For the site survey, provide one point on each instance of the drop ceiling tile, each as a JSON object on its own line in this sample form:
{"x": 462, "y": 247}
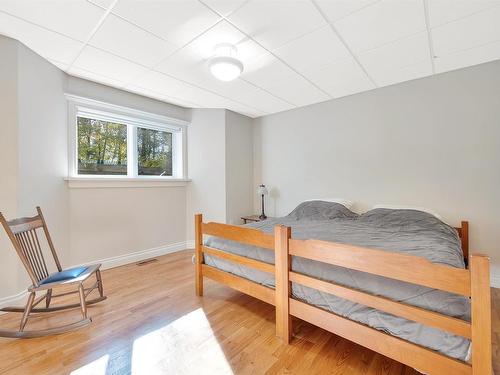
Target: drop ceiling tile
{"x": 335, "y": 10}
{"x": 247, "y": 94}
{"x": 244, "y": 110}
{"x": 296, "y": 90}
{"x": 130, "y": 42}
{"x": 169, "y": 86}
{"x": 274, "y": 23}
{"x": 75, "y": 18}
{"x": 224, "y": 7}
{"x": 158, "y": 96}
{"x": 188, "y": 66}
{"x": 465, "y": 58}
{"x": 272, "y": 75}
{"x": 108, "y": 65}
{"x": 175, "y": 21}
{"x": 46, "y": 43}
{"x": 473, "y": 31}
{"x": 202, "y": 48}
{"x": 381, "y": 23}
{"x": 379, "y": 62}
{"x": 341, "y": 78}
{"x": 102, "y": 3}
{"x": 161, "y": 83}
{"x": 184, "y": 64}
{"x": 96, "y": 77}
{"x": 444, "y": 11}
{"x": 390, "y": 76}
{"x": 315, "y": 49}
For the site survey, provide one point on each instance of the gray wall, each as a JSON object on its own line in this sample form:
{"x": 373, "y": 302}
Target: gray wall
{"x": 42, "y": 132}
{"x": 220, "y": 164}
{"x": 239, "y": 167}
{"x": 33, "y": 148}
{"x": 206, "y": 192}
{"x": 433, "y": 142}
{"x": 8, "y": 161}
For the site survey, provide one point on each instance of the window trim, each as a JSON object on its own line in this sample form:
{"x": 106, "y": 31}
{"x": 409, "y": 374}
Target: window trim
{"x": 117, "y": 182}
{"x": 133, "y": 118}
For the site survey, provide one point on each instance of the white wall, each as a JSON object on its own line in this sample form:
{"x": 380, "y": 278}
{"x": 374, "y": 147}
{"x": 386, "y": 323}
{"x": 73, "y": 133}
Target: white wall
{"x": 8, "y": 161}
{"x": 433, "y": 142}
{"x": 35, "y": 137}
{"x": 42, "y": 139}
{"x": 239, "y": 163}
{"x": 220, "y": 164}
{"x": 112, "y": 222}
{"x": 206, "y": 193}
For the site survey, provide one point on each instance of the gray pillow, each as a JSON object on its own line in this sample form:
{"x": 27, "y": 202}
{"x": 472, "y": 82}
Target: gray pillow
{"x": 321, "y": 210}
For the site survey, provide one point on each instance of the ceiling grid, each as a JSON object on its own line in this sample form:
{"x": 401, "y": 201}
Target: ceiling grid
{"x": 294, "y": 53}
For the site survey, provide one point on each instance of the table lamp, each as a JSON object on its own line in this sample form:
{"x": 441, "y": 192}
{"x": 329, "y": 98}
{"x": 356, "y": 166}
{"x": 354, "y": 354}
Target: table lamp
{"x": 262, "y": 190}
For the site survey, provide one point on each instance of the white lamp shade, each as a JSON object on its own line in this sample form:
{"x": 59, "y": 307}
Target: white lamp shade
{"x": 262, "y": 190}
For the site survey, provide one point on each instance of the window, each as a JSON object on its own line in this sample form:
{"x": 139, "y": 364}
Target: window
{"x": 154, "y": 152}
{"x": 102, "y": 147}
{"x": 112, "y": 141}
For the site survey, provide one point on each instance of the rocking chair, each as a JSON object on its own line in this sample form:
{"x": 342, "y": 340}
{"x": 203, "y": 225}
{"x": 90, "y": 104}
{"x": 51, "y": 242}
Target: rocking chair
{"x": 23, "y": 234}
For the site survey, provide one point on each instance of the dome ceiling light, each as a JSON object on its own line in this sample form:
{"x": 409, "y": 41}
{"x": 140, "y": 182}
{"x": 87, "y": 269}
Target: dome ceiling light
{"x": 224, "y": 65}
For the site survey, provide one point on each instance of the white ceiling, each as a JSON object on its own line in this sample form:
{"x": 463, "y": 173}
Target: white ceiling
{"x": 295, "y": 52}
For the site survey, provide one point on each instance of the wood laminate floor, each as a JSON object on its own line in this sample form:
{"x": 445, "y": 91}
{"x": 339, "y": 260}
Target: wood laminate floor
{"x": 152, "y": 323}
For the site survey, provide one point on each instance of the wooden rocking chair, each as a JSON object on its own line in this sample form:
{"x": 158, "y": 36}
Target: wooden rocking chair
{"x": 23, "y": 234}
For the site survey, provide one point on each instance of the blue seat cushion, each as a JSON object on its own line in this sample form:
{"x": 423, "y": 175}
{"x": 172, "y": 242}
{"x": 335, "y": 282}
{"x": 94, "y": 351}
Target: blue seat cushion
{"x": 64, "y": 275}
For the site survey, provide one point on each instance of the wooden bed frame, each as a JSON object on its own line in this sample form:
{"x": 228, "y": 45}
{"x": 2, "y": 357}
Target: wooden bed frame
{"x": 473, "y": 282}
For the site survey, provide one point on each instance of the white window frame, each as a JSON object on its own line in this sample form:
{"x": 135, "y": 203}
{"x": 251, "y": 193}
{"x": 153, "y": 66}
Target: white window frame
{"x": 132, "y": 118}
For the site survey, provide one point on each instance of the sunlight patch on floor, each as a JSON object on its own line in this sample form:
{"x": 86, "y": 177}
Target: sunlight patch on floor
{"x": 97, "y": 367}
{"x": 185, "y": 346}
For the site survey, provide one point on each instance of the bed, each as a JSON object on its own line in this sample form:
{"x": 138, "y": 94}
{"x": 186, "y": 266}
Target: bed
{"x": 397, "y": 276}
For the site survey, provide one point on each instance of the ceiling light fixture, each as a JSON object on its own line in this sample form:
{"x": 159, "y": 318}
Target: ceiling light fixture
{"x": 224, "y": 65}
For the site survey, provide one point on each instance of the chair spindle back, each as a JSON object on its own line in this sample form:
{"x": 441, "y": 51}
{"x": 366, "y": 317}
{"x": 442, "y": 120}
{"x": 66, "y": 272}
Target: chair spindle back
{"x": 23, "y": 234}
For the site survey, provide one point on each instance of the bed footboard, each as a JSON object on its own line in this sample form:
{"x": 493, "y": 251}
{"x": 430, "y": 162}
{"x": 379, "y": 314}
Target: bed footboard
{"x": 472, "y": 282}
{"x": 247, "y": 236}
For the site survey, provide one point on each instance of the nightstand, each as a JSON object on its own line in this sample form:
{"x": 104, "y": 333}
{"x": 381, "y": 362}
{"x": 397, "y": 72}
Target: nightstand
{"x": 252, "y": 219}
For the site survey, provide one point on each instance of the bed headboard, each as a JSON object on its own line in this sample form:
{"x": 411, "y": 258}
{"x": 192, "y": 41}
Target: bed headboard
{"x": 463, "y": 233}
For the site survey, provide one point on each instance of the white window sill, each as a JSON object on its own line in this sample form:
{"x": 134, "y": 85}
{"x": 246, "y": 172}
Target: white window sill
{"x": 123, "y": 182}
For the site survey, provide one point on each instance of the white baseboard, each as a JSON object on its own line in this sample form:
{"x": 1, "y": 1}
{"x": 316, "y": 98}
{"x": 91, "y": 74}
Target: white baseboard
{"x": 140, "y": 255}
{"x": 20, "y": 298}
{"x": 190, "y": 244}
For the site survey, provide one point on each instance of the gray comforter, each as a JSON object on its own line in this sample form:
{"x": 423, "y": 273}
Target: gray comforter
{"x": 406, "y": 231}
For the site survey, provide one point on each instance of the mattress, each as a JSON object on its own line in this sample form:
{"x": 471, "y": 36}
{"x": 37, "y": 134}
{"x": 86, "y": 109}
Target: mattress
{"x": 403, "y": 231}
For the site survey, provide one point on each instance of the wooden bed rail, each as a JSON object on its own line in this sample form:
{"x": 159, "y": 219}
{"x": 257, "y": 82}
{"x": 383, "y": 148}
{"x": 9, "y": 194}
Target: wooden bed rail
{"x": 408, "y": 268}
{"x": 248, "y": 236}
{"x": 472, "y": 282}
